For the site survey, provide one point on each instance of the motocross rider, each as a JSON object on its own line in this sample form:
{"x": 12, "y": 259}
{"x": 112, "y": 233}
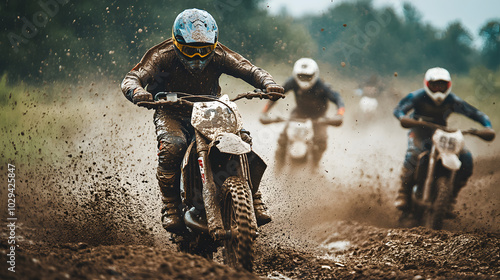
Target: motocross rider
{"x": 191, "y": 62}
{"x": 312, "y": 96}
{"x": 433, "y": 103}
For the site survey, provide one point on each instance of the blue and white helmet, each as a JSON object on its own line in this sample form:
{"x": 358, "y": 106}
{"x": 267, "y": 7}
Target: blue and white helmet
{"x": 195, "y": 35}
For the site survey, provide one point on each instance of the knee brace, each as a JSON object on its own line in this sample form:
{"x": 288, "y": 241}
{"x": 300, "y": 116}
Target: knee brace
{"x": 171, "y": 151}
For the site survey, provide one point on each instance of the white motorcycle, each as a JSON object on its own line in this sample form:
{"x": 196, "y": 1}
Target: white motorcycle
{"x": 436, "y": 171}
{"x": 300, "y": 136}
{"x": 220, "y": 174}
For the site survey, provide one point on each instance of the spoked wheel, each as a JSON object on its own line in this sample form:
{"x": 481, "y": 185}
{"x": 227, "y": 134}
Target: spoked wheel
{"x": 435, "y": 215}
{"x": 237, "y": 217}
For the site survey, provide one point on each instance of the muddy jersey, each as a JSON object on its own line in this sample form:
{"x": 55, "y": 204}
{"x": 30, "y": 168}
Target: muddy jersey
{"x": 313, "y": 102}
{"x": 425, "y": 109}
{"x": 161, "y": 71}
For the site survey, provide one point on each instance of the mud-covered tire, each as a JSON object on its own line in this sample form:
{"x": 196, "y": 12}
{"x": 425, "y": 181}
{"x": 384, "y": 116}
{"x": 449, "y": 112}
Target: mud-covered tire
{"x": 237, "y": 216}
{"x": 435, "y": 216}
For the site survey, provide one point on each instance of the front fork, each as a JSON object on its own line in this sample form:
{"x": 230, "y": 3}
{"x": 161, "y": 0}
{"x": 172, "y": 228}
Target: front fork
{"x": 210, "y": 194}
{"x": 430, "y": 177}
{"x": 212, "y": 206}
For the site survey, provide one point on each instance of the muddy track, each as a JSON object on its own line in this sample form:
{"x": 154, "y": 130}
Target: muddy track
{"x": 289, "y": 248}
{"x": 92, "y": 213}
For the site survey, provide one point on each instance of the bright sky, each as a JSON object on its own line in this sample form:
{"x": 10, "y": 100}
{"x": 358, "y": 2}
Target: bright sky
{"x": 472, "y": 13}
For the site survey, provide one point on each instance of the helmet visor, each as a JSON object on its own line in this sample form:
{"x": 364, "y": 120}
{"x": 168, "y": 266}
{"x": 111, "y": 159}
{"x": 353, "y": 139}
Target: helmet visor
{"x": 192, "y": 51}
{"x": 305, "y": 77}
{"x": 438, "y": 86}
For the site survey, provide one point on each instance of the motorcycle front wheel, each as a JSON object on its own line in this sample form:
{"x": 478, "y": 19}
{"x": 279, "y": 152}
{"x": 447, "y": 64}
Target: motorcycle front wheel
{"x": 237, "y": 217}
{"x": 435, "y": 215}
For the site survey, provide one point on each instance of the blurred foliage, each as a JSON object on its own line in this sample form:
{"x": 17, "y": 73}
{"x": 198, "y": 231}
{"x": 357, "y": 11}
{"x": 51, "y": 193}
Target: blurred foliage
{"x": 490, "y": 32}
{"x": 485, "y": 82}
{"x": 59, "y": 39}
{"x": 109, "y": 37}
{"x": 380, "y": 40}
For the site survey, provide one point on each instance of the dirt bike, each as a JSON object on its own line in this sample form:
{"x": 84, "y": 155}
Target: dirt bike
{"x": 300, "y": 135}
{"x": 220, "y": 172}
{"x": 436, "y": 171}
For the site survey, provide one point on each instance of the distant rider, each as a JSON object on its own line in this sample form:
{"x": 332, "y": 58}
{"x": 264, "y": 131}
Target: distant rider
{"x": 191, "y": 62}
{"x": 373, "y": 87}
{"x": 433, "y": 103}
{"x": 311, "y": 97}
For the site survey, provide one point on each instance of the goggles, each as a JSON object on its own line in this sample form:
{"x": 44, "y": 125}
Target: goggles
{"x": 305, "y": 77}
{"x": 192, "y": 51}
{"x": 438, "y": 86}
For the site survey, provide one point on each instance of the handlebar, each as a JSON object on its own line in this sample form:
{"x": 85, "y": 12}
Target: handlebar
{"x": 486, "y": 134}
{"x": 410, "y": 123}
{"x": 260, "y": 94}
{"x": 327, "y": 121}
{"x": 179, "y": 101}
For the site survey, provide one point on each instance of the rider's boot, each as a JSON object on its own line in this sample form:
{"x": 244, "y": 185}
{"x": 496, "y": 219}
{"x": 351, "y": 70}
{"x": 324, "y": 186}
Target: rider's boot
{"x": 171, "y": 214}
{"x": 260, "y": 210}
{"x": 404, "y": 193}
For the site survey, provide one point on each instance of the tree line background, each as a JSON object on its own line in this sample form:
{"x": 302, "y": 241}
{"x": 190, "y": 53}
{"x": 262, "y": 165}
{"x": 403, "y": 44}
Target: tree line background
{"x": 59, "y": 39}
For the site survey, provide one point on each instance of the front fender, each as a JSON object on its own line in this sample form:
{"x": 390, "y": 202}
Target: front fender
{"x": 450, "y": 161}
{"x": 230, "y": 143}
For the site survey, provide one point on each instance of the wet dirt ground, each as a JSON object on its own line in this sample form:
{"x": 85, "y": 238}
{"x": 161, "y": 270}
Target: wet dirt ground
{"x": 92, "y": 212}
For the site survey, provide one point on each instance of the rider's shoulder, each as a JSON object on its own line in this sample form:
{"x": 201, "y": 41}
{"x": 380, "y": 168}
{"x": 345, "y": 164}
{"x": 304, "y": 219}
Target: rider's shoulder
{"x": 291, "y": 83}
{"x": 221, "y": 50}
{"x": 417, "y": 94}
{"x": 323, "y": 84}
{"x": 166, "y": 46}
{"x": 454, "y": 97}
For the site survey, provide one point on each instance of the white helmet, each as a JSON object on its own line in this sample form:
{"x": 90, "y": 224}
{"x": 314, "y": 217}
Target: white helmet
{"x": 305, "y": 72}
{"x": 437, "y": 84}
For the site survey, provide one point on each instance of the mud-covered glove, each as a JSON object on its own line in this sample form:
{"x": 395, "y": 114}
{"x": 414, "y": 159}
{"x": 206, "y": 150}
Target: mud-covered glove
{"x": 274, "y": 88}
{"x": 245, "y": 136}
{"x": 140, "y": 94}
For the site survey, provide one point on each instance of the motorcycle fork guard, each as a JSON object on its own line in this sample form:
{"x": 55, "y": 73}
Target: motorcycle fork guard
{"x": 210, "y": 193}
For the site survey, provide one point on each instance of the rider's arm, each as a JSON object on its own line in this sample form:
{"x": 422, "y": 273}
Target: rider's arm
{"x": 144, "y": 72}
{"x": 404, "y": 106}
{"x": 287, "y": 86}
{"x": 334, "y": 97}
{"x": 237, "y": 66}
{"x": 464, "y": 108}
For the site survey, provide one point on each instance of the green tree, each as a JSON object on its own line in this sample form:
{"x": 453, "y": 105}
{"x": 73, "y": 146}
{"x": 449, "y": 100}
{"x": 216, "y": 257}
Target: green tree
{"x": 455, "y": 48}
{"x": 490, "y": 33}
{"x": 109, "y": 37}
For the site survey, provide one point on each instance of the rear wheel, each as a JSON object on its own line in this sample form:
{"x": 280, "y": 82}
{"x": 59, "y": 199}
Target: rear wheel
{"x": 237, "y": 217}
{"x": 435, "y": 215}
